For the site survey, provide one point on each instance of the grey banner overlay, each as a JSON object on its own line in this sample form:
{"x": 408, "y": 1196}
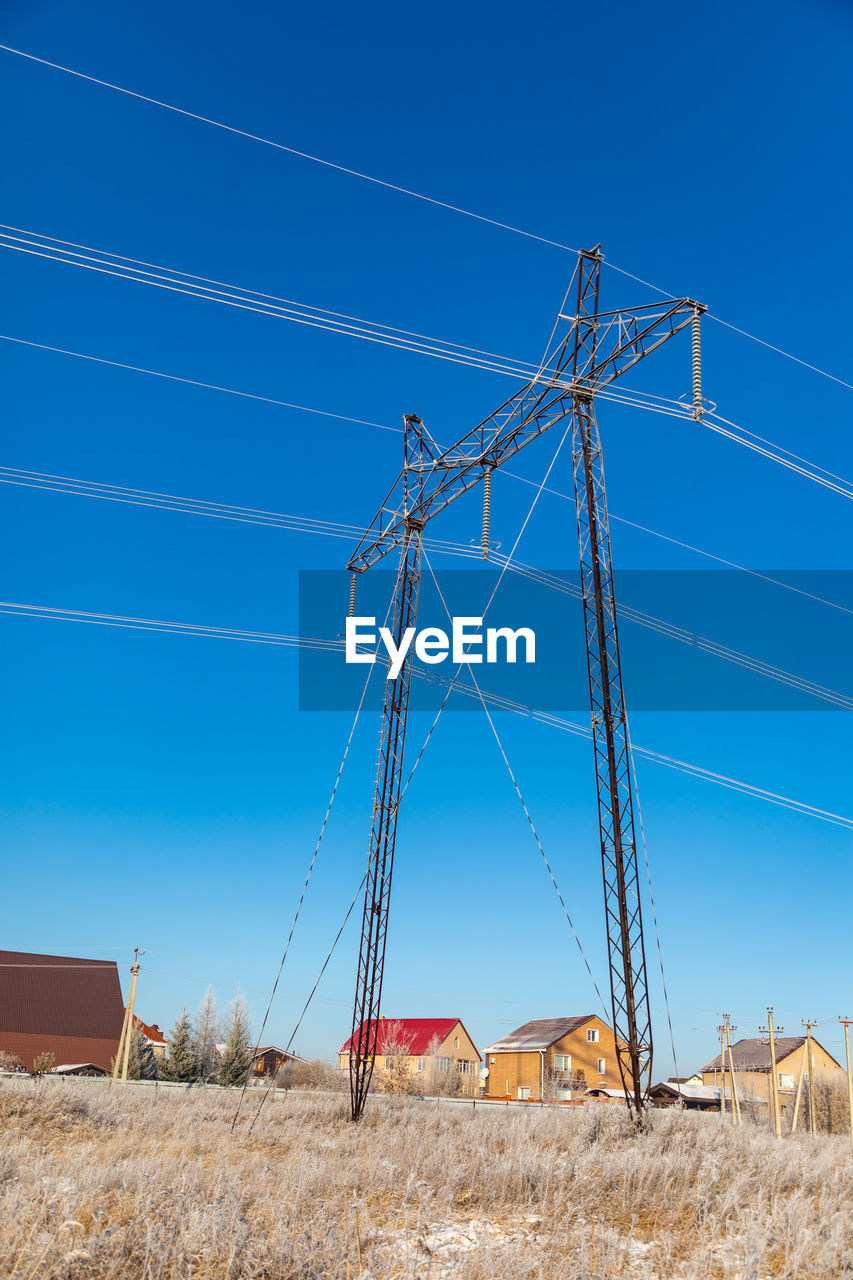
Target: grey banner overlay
{"x": 690, "y": 640}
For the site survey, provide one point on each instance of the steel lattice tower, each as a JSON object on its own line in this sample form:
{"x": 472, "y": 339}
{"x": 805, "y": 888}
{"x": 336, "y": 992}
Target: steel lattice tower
{"x": 589, "y": 350}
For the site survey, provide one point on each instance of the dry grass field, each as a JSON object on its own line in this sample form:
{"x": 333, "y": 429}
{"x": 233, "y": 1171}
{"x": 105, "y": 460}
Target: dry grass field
{"x": 152, "y": 1186}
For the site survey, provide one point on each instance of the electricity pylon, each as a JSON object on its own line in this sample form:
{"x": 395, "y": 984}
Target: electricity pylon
{"x": 589, "y": 349}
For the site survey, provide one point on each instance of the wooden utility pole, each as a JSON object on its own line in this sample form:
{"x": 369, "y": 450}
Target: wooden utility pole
{"x": 735, "y": 1099}
{"x": 127, "y": 1025}
{"x": 810, "y": 1059}
{"x": 799, "y": 1088}
{"x": 722, "y": 1031}
{"x": 774, "y": 1080}
{"x": 845, "y": 1022}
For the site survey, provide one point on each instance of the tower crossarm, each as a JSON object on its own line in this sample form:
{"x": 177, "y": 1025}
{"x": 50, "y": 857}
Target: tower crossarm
{"x": 582, "y": 363}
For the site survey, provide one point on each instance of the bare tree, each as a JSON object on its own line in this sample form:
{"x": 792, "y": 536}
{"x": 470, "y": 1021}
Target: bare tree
{"x": 443, "y": 1077}
{"x": 554, "y": 1083}
{"x": 397, "y": 1051}
{"x": 207, "y": 1034}
{"x": 311, "y": 1075}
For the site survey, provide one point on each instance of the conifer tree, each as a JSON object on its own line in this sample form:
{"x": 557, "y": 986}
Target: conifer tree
{"x": 141, "y": 1063}
{"x": 147, "y": 1058}
{"x": 236, "y": 1058}
{"x": 182, "y": 1061}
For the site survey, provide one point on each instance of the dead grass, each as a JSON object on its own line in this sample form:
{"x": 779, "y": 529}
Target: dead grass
{"x": 97, "y": 1185}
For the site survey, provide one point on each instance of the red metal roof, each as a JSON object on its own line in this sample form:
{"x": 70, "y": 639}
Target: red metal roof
{"x": 420, "y": 1035}
{"x": 152, "y": 1032}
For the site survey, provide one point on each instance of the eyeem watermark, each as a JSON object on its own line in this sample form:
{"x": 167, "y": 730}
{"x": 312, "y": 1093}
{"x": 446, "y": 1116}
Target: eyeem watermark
{"x": 432, "y": 645}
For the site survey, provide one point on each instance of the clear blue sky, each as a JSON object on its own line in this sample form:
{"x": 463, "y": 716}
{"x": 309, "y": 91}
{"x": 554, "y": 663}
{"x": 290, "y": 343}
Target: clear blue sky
{"x": 165, "y": 790}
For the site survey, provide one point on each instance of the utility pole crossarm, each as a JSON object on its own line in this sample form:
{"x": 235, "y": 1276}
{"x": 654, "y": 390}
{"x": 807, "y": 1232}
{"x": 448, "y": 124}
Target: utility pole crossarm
{"x": 613, "y": 342}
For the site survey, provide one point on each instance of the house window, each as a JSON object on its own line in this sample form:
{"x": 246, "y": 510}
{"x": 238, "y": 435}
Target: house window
{"x": 455, "y": 1042}
{"x": 785, "y": 1081}
{"x": 523, "y": 1093}
{"x": 592, "y": 1035}
{"x": 466, "y": 1068}
{"x": 444, "y": 1064}
{"x": 421, "y": 1064}
{"x": 562, "y": 1062}
{"x": 602, "y": 1067}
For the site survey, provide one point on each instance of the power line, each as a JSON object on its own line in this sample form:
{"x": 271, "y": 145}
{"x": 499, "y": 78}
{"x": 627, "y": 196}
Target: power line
{"x": 692, "y": 639}
{"x": 419, "y": 344}
{"x": 137, "y": 266}
{"x": 652, "y": 900}
{"x": 43, "y": 613}
{"x": 172, "y": 502}
{"x": 824, "y": 373}
{"x": 523, "y": 803}
{"x": 779, "y": 351}
{"x": 301, "y": 524}
{"x": 297, "y": 313}
{"x": 311, "y": 995}
{"x": 687, "y": 546}
{"x": 810, "y": 471}
{"x": 192, "y": 382}
{"x": 311, "y": 866}
{"x": 656, "y": 533}
{"x": 671, "y": 762}
{"x": 280, "y": 146}
{"x": 46, "y": 613}
{"x": 391, "y": 186}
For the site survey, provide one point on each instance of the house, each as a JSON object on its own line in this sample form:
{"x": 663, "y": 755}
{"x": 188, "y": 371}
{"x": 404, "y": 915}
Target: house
{"x": 428, "y": 1055}
{"x": 69, "y": 1006}
{"x": 153, "y": 1036}
{"x": 696, "y": 1078}
{"x": 692, "y": 1096}
{"x": 549, "y": 1059}
{"x": 267, "y": 1062}
{"x": 602, "y": 1093}
{"x": 78, "y": 1069}
{"x": 751, "y": 1059}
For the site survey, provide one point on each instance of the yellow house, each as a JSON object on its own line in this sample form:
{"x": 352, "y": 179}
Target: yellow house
{"x": 422, "y": 1055}
{"x": 153, "y": 1035}
{"x": 553, "y": 1059}
{"x": 751, "y": 1059}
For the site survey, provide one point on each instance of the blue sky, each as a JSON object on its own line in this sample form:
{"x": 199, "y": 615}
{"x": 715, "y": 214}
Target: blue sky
{"x": 165, "y": 790}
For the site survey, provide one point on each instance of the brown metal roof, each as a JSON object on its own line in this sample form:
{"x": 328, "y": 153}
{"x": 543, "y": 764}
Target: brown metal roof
{"x": 68, "y": 1005}
{"x": 754, "y": 1055}
{"x": 539, "y": 1034}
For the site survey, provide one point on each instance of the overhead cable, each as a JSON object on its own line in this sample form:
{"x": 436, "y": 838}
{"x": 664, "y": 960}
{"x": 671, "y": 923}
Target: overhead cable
{"x": 656, "y": 533}
{"x": 526, "y": 811}
{"x": 193, "y": 382}
{"x": 280, "y": 146}
{"x": 419, "y": 344}
{"x": 311, "y": 866}
{"x": 44, "y": 613}
{"x": 350, "y": 532}
{"x": 392, "y": 186}
{"x": 687, "y": 546}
